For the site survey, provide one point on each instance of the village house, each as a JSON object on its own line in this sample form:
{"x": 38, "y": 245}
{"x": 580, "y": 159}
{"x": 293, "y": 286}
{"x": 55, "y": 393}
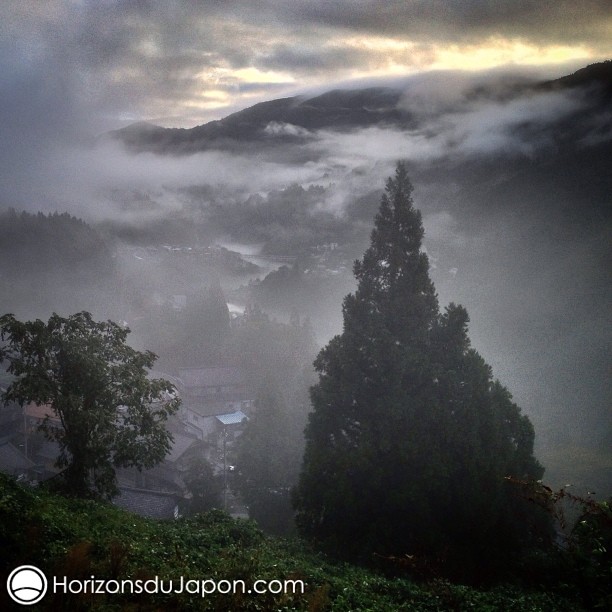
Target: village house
{"x": 11, "y": 417}
{"x": 152, "y": 504}
{"x": 14, "y": 462}
{"x": 216, "y": 400}
{"x": 170, "y": 473}
{"x": 42, "y": 451}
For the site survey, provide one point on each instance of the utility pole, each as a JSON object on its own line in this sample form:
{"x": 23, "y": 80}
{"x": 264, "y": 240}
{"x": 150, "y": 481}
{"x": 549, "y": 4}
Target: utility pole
{"x": 225, "y": 467}
{"x": 25, "y": 432}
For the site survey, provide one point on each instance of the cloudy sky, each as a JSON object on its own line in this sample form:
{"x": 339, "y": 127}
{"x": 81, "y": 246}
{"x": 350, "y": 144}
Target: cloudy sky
{"x": 182, "y": 63}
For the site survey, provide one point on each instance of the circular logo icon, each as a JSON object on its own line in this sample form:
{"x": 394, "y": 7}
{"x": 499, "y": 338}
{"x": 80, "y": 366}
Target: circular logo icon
{"x": 26, "y": 585}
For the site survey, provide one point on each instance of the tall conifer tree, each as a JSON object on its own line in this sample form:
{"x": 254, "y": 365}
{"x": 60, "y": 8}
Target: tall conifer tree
{"x": 410, "y": 438}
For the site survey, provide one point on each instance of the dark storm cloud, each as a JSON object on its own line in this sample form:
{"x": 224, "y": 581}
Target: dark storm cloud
{"x": 441, "y": 20}
{"x": 123, "y": 57}
{"x": 316, "y": 59}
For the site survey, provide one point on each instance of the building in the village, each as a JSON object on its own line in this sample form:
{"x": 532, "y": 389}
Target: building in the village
{"x": 14, "y": 462}
{"x": 149, "y": 503}
{"x": 216, "y": 401}
{"x": 11, "y": 418}
{"x": 168, "y": 475}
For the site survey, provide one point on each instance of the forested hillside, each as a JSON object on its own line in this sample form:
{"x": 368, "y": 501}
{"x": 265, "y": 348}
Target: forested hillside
{"x": 52, "y": 262}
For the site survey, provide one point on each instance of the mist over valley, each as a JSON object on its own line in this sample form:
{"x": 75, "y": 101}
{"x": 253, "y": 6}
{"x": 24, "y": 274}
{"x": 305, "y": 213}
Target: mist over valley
{"x": 276, "y": 201}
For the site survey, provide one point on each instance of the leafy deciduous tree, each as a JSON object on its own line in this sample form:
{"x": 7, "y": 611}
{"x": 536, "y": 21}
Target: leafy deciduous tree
{"x": 111, "y": 414}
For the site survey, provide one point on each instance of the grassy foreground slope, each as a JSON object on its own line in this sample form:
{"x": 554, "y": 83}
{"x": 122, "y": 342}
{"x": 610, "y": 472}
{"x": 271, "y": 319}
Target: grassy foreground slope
{"x": 84, "y": 539}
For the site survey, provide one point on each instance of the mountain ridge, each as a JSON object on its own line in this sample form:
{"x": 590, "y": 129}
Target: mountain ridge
{"x": 296, "y": 118}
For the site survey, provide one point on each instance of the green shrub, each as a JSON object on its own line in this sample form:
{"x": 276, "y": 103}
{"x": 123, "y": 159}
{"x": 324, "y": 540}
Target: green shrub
{"x": 80, "y": 538}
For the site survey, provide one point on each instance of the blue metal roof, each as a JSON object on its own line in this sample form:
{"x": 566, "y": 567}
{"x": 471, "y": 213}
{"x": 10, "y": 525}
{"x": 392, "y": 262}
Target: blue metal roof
{"x": 233, "y": 418}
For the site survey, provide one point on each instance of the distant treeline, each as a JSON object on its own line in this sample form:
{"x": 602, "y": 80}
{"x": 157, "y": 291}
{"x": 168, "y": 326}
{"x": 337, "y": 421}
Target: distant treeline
{"x": 39, "y": 243}
{"x": 45, "y": 258}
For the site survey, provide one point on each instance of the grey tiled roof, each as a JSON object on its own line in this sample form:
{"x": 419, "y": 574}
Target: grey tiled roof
{"x": 206, "y": 407}
{"x": 211, "y": 377}
{"x": 12, "y": 459}
{"x": 152, "y": 504}
{"x": 180, "y": 445}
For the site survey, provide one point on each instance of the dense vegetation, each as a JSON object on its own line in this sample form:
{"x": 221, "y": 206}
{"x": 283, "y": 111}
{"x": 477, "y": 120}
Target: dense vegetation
{"x": 81, "y": 538}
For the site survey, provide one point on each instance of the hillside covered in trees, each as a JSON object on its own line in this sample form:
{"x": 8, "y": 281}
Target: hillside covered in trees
{"x": 47, "y": 260}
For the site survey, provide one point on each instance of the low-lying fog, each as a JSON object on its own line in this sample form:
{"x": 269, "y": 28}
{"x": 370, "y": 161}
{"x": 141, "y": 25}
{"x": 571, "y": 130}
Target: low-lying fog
{"x": 532, "y": 274}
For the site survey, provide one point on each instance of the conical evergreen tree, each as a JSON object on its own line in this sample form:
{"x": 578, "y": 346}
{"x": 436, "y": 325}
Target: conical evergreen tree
{"x": 410, "y": 439}
{"x": 206, "y": 326}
